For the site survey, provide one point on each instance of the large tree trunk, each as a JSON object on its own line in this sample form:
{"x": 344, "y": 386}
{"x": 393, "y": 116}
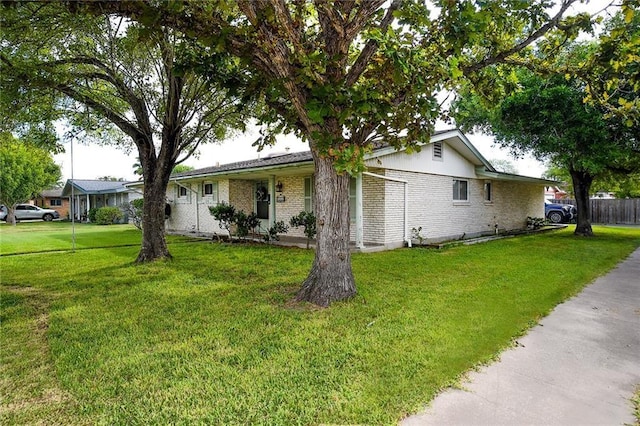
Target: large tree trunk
{"x": 154, "y": 245}
{"x": 11, "y": 215}
{"x": 331, "y": 278}
{"x": 582, "y": 187}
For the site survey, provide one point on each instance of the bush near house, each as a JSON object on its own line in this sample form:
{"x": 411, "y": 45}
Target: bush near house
{"x": 308, "y": 221}
{"x": 224, "y": 213}
{"x": 273, "y": 233}
{"x": 91, "y": 214}
{"x": 108, "y": 215}
{"x": 228, "y": 217}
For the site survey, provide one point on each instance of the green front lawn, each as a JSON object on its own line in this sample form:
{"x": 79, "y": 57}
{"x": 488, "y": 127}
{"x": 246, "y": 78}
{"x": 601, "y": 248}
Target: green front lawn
{"x": 213, "y": 338}
{"x": 33, "y": 237}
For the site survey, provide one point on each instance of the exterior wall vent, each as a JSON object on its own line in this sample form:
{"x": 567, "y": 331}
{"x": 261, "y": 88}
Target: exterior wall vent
{"x": 437, "y": 150}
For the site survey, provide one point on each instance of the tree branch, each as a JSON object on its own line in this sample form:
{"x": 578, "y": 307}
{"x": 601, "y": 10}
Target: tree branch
{"x": 500, "y": 57}
{"x": 370, "y": 48}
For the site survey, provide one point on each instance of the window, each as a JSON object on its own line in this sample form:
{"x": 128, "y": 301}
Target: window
{"x": 210, "y": 192}
{"x": 460, "y": 188}
{"x": 55, "y": 202}
{"x": 308, "y": 194}
{"x": 352, "y": 199}
{"x": 183, "y": 194}
{"x": 437, "y": 150}
{"x": 488, "y": 192}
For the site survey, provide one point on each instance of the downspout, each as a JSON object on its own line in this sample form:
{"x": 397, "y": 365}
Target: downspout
{"x": 197, "y": 210}
{"x": 359, "y": 214}
{"x": 407, "y": 239}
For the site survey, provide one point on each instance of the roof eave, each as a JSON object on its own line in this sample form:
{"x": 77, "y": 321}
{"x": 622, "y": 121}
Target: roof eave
{"x": 496, "y": 175}
{"x": 243, "y": 171}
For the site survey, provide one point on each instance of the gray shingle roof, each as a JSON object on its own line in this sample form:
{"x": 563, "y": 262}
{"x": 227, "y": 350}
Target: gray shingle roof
{"x": 87, "y": 186}
{"x": 273, "y": 160}
{"x": 51, "y": 193}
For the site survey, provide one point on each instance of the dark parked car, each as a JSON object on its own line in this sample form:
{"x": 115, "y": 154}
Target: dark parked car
{"x": 559, "y": 213}
{"x": 27, "y": 211}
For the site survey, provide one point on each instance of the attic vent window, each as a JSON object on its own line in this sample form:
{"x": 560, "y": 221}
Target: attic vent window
{"x": 437, "y": 150}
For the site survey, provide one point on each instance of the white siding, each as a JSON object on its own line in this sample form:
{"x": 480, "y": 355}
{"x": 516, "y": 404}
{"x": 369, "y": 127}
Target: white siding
{"x": 451, "y": 164}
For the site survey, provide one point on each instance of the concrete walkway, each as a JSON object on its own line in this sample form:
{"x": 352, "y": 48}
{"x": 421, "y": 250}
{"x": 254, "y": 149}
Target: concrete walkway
{"x": 580, "y": 366}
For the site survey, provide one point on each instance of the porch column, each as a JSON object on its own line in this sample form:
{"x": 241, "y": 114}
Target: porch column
{"x": 272, "y": 200}
{"x": 88, "y": 207}
{"x": 359, "y": 213}
{"x": 77, "y": 207}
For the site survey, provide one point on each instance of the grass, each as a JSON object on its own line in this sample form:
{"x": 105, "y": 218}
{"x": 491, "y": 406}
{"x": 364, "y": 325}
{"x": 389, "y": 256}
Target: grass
{"x": 212, "y": 337}
{"x": 35, "y": 237}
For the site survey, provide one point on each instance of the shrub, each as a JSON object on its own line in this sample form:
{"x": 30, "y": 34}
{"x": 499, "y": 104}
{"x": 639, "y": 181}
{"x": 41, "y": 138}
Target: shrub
{"x": 277, "y": 228}
{"x": 108, "y": 215}
{"x": 245, "y": 223}
{"x": 535, "y": 222}
{"x": 224, "y": 213}
{"x": 306, "y": 220}
{"x": 416, "y": 235}
{"x": 91, "y": 215}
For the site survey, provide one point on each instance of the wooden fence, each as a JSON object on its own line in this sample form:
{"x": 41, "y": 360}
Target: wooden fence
{"x": 612, "y": 211}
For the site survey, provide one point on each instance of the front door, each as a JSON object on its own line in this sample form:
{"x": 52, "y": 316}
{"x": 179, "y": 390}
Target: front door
{"x": 262, "y": 203}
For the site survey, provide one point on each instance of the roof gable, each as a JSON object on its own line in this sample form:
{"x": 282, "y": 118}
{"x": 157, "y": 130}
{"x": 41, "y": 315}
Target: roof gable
{"x": 454, "y": 138}
{"x": 89, "y": 186}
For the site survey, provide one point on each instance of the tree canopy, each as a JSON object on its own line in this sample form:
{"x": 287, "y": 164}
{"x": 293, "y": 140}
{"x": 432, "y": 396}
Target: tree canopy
{"x": 26, "y": 170}
{"x": 612, "y": 73}
{"x": 548, "y": 117}
{"x": 118, "y": 83}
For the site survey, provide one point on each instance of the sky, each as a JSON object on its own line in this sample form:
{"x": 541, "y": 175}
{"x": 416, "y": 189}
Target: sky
{"x": 93, "y": 162}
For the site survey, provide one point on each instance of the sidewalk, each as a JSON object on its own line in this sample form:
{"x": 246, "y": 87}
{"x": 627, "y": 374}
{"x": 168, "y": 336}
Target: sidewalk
{"x": 579, "y": 366}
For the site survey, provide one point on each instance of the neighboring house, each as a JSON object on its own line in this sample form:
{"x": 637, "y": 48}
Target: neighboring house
{"x": 53, "y": 199}
{"x": 86, "y": 194}
{"x": 448, "y": 189}
{"x": 604, "y": 195}
{"x": 554, "y": 193}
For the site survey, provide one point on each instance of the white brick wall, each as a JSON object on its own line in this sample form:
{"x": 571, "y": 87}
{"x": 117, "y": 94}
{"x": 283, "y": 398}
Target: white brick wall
{"x": 239, "y": 193}
{"x": 373, "y": 201}
{"x": 431, "y": 206}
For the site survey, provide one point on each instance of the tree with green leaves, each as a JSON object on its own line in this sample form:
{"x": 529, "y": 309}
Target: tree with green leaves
{"x": 504, "y": 166}
{"x": 26, "y": 171}
{"x": 181, "y": 168}
{"x": 622, "y": 184}
{"x": 548, "y": 117}
{"x": 347, "y": 75}
{"x": 612, "y": 73}
{"x": 120, "y": 84}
